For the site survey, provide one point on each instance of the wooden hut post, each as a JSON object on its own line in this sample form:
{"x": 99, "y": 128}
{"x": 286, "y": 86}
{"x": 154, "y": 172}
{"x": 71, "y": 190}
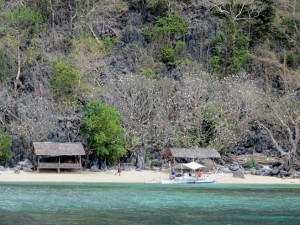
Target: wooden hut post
{"x": 58, "y": 169}
{"x": 38, "y": 166}
{"x": 80, "y": 163}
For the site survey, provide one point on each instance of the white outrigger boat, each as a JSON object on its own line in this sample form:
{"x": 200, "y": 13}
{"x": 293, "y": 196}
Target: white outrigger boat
{"x": 188, "y": 178}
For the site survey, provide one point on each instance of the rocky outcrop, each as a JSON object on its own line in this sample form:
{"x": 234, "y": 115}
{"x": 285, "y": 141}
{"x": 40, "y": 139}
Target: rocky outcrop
{"x": 238, "y": 173}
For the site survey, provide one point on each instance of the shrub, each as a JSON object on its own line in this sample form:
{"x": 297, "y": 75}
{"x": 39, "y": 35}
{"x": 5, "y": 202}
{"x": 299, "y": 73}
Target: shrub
{"x": 5, "y": 146}
{"x": 251, "y": 164}
{"x": 169, "y": 28}
{"x": 103, "y": 124}
{"x": 293, "y": 59}
{"x": 168, "y": 54}
{"x": 65, "y": 80}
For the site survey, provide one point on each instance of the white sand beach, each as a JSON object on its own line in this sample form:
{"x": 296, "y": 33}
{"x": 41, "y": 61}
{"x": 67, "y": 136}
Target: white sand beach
{"x": 131, "y": 176}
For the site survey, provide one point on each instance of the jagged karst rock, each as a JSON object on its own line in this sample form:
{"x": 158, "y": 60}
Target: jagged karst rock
{"x": 133, "y": 35}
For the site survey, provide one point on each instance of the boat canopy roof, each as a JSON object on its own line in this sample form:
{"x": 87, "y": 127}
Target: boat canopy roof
{"x": 193, "y": 165}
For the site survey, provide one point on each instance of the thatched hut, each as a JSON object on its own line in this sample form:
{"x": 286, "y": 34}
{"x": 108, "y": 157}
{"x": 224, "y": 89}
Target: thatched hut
{"x": 194, "y": 153}
{"x": 56, "y": 151}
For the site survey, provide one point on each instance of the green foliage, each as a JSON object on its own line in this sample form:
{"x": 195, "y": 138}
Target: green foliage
{"x": 102, "y": 123}
{"x": 149, "y": 73}
{"x": 65, "y": 81}
{"x": 5, "y": 146}
{"x": 261, "y": 23}
{"x": 230, "y": 53}
{"x": 23, "y": 19}
{"x": 251, "y": 164}
{"x": 170, "y": 28}
{"x": 293, "y": 59}
{"x": 170, "y": 54}
{"x": 157, "y": 7}
{"x": 3, "y": 67}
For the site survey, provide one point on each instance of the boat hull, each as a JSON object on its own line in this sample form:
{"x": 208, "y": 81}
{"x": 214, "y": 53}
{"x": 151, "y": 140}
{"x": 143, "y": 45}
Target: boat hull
{"x": 188, "y": 180}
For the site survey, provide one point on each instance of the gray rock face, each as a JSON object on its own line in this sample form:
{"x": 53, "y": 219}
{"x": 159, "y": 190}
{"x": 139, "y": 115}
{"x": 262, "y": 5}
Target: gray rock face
{"x": 234, "y": 166}
{"x": 266, "y": 173}
{"x": 133, "y": 35}
{"x": 226, "y": 170}
{"x": 276, "y": 164}
{"x": 95, "y": 169}
{"x": 2, "y": 168}
{"x": 26, "y": 169}
{"x": 140, "y": 162}
{"x": 238, "y": 173}
{"x": 283, "y": 173}
{"x": 275, "y": 171}
{"x": 25, "y": 165}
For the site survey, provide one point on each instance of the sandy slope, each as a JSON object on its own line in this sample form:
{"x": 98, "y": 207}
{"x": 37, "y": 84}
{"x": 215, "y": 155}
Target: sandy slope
{"x": 131, "y": 176}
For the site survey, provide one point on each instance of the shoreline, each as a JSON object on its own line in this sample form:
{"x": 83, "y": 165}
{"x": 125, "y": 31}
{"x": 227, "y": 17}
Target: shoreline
{"x": 130, "y": 176}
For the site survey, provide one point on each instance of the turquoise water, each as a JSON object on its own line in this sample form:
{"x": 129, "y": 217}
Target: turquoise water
{"x": 109, "y": 204}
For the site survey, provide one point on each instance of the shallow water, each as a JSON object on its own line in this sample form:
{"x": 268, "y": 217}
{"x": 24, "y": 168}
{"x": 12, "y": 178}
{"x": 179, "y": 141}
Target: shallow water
{"x": 88, "y": 204}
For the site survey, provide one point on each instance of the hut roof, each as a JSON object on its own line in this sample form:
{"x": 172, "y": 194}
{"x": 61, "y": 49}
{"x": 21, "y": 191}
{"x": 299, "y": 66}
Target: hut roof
{"x": 55, "y": 149}
{"x": 200, "y": 153}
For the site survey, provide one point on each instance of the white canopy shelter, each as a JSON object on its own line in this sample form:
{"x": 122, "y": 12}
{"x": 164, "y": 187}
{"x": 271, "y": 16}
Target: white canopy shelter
{"x": 193, "y": 165}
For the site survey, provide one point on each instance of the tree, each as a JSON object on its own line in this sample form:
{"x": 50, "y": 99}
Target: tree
{"x": 284, "y": 118}
{"x": 5, "y": 146}
{"x": 103, "y": 125}
{"x": 242, "y": 23}
{"x": 19, "y": 24}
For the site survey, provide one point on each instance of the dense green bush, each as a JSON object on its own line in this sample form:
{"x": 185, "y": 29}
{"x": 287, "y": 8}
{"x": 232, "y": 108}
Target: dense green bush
{"x": 65, "y": 81}
{"x": 170, "y": 28}
{"x": 230, "y": 53}
{"x": 103, "y": 125}
{"x": 5, "y": 146}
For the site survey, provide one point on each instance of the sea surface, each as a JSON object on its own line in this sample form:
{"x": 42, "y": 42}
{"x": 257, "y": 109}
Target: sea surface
{"x": 120, "y": 204}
